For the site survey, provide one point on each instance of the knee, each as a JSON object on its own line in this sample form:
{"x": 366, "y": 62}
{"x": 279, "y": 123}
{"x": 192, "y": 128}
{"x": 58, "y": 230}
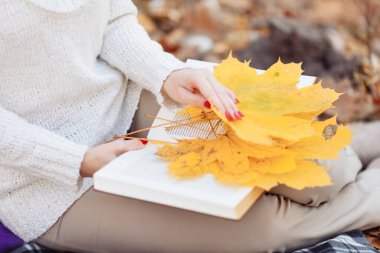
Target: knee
{"x": 374, "y": 164}
{"x": 342, "y": 171}
{"x": 365, "y": 140}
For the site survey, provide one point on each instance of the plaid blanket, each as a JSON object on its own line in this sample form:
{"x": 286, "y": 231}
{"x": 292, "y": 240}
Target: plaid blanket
{"x": 351, "y": 242}
{"x": 32, "y": 248}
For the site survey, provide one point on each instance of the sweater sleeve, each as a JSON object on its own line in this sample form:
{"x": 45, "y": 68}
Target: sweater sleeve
{"x": 127, "y": 47}
{"x": 32, "y": 149}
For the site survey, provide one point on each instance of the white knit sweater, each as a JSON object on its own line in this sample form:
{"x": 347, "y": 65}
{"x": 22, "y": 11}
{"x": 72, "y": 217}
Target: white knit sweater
{"x": 64, "y": 66}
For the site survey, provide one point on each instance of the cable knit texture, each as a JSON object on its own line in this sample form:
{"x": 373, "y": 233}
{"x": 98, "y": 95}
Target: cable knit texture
{"x": 71, "y": 73}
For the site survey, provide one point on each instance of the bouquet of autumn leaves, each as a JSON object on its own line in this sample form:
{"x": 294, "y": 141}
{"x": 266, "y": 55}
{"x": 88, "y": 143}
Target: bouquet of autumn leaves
{"x": 277, "y": 141}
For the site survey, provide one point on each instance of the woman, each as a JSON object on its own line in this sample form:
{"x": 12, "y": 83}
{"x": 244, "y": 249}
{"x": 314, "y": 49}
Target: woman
{"x": 64, "y": 71}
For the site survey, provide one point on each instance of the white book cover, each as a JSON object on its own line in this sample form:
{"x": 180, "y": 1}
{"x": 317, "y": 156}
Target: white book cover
{"x": 143, "y": 175}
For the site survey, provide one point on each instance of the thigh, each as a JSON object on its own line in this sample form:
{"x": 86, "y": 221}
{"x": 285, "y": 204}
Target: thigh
{"x": 100, "y": 222}
{"x": 375, "y": 164}
{"x": 365, "y": 141}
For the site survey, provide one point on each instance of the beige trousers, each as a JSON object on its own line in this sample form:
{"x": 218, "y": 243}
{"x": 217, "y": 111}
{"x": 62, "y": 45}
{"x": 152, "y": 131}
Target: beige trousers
{"x": 281, "y": 220}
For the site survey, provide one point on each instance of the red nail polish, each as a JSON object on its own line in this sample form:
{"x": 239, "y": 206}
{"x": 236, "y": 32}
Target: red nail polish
{"x": 207, "y": 105}
{"x": 228, "y": 116}
{"x": 144, "y": 141}
{"x": 241, "y": 114}
{"x": 237, "y": 115}
{"x": 237, "y": 101}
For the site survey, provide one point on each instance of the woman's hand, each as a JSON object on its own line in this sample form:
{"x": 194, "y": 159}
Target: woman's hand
{"x": 96, "y": 157}
{"x": 199, "y": 87}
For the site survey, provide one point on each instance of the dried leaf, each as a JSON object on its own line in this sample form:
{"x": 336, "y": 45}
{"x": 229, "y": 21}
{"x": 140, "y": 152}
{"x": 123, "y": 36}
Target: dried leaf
{"x": 373, "y": 237}
{"x": 186, "y": 166}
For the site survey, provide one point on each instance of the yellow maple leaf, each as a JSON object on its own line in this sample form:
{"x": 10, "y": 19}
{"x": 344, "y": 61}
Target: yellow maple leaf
{"x": 306, "y": 174}
{"x": 326, "y": 144}
{"x": 198, "y": 114}
{"x": 273, "y": 142}
{"x": 186, "y": 166}
{"x": 275, "y": 165}
{"x": 261, "y": 129}
{"x": 275, "y": 91}
{"x": 272, "y": 97}
{"x": 174, "y": 152}
{"x": 256, "y": 150}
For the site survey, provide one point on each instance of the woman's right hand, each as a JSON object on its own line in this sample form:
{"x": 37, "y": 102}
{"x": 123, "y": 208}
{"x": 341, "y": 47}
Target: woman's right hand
{"x": 95, "y": 158}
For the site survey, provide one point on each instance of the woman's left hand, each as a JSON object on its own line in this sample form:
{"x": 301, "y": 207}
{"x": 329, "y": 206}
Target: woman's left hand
{"x": 198, "y": 87}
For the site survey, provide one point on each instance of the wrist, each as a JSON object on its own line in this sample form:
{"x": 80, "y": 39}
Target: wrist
{"x": 166, "y": 83}
{"x": 83, "y": 170}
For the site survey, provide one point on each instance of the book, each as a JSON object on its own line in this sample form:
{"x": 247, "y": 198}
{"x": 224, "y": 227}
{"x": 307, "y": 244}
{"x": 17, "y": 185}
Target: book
{"x": 141, "y": 174}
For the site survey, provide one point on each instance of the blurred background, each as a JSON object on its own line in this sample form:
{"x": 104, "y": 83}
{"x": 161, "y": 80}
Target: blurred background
{"x": 337, "y": 40}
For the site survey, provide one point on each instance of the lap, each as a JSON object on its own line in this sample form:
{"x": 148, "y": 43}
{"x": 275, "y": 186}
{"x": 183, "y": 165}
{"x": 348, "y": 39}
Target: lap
{"x": 100, "y": 222}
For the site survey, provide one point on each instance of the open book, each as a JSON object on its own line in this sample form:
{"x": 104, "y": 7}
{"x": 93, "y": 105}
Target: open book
{"x": 143, "y": 175}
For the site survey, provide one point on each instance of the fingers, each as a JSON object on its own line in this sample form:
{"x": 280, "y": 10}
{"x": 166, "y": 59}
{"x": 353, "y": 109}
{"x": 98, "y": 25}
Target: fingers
{"x": 122, "y": 146}
{"x": 200, "y": 88}
{"x": 221, "y": 97}
{"x": 207, "y": 91}
{"x": 231, "y": 95}
{"x": 228, "y": 99}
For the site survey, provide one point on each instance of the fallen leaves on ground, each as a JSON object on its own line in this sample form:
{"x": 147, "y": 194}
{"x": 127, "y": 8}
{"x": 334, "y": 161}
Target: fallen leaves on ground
{"x": 373, "y": 236}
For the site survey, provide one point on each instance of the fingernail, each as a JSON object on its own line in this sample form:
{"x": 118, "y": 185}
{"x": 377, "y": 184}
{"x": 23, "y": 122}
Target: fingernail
{"x": 237, "y": 115}
{"x": 241, "y": 114}
{"x": 144, "y": 141}
{"x": 237, "y": 101}
{"x": 228, "y": 116}
{"x": 207, "y": 105}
